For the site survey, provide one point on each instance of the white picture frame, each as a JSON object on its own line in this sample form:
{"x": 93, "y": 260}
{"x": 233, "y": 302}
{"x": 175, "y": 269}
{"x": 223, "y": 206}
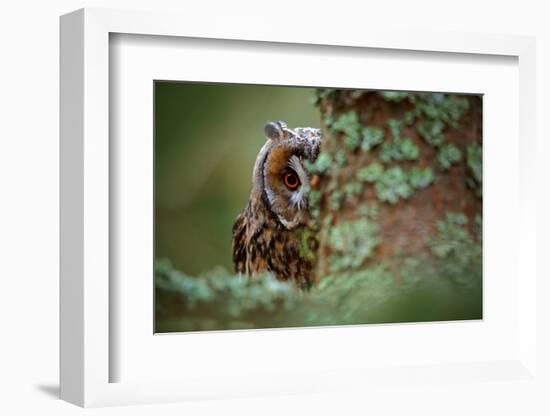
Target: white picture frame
{"x": 86, "y": 356}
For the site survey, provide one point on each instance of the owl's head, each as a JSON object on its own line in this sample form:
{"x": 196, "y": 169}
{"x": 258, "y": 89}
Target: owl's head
{"x": 279, "y": 173}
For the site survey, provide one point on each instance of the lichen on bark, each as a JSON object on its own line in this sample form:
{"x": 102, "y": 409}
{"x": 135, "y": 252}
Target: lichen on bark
{"x": 394, "y": 167}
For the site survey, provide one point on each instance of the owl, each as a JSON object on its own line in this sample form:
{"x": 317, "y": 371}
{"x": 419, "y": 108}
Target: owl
{"x": 266, "y": 234}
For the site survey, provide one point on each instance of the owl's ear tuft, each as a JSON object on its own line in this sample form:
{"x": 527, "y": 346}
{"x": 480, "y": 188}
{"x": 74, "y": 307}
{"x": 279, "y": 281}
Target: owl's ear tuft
{"x": 275, "y": 130}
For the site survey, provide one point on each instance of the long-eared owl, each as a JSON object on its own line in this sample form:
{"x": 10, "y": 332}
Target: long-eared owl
{"x": 265, "y": 234}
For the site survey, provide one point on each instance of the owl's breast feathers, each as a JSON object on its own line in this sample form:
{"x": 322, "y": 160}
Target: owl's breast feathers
{"x": 239, "y": 243}
{"x": 261, "y": 244}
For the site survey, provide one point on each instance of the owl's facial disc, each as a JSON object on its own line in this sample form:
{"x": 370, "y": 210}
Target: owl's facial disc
{"x": 298, "y": 198}
{"x": 286, "y": 185}
{"x": 279, "y": 175}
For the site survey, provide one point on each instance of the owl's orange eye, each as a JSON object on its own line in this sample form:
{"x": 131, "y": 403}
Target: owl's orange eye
{"x": 291, "y": 180}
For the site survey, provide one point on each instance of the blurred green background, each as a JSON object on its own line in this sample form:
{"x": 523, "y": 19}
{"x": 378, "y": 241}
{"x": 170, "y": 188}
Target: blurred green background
{"x": 207, "y": 137}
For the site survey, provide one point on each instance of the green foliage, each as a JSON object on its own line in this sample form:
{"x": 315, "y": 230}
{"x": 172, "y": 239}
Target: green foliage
{"x": 447, "y": 155}
{"x": 395, "y": 128}
{"x": 398, "y": 148}
{"x": 450, "y": 230}
{"x": 395, "y": 96}
{"x": 372, "y": 136}
{"x": 474, "y": 158}
{"x": 352, "y": 189}
{"x": 348, "y": 124}
{"x": 328, "y": 120}
{"x": 393, "y": 185}
{"x": 355, "y": 94}
{"x": 439, "y": 111}
{"x": 371, "y": 173}
{"x": 264, "y": 292}
{"x": 314, "y": 198}
{"x": 409, "y": 117}
{"x": 351, "y": 243}
{"x": 421, "y": 178}
{"x": 447, "y": 108}
{"x": 314, "y": 203}
{"x": 364, "y": 296}
{"x": 320, "y": 94}
{"x": 327, "y": 221}
{"x": 196, "y": 290}
{"x": 432, "y": 132}
{"x": 408, "y": 150}
{"x": 389, "y": 152}
{"x": 335, "y": 200}
{"x": 352, "y": 142}
{"x": 307, "y": 242}
{"x": 478, "y": 227}
{"x": 433, "y": 114}
{"x": 474, "y": 163}
{"x": 321, "y": 164}
{"x": 458, "y": 253}
{"x": 370, "y": 210}
{"x": 340, "y": 157}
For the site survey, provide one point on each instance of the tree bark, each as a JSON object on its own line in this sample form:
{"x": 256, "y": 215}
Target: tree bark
{"x": 396, "y": 171}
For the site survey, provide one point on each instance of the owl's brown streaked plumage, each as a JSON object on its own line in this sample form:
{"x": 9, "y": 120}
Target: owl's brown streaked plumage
{"x": 265, "y": 234}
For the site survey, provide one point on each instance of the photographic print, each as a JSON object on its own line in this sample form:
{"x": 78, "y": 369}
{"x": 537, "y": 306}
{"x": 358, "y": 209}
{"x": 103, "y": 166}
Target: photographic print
{"x": 282, "y": 207}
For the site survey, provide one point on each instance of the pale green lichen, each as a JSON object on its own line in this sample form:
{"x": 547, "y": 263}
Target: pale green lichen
{"x": 371, "y": 173}
{"x": 341, "y": 158}
{"x": 351, "y": 243}
{"x": 335, "y": 200}
{"x": 370, "y": 210}
{"x": 352, "y": 189}
{"x": 421, "y": 178}
{"x": 307, "y": 244}
{"x": 393, "y": 186}
{"x": 372, "y": 136}
{"x": 474, "y": 163}
{"x": 459, "y": 254}
{"x": 398, "y": 148}
{"x": 321, "y": 165}
{"x": 432, "y": 132}
{"x": 448, "y": 155}
{"x": 395, "y": 96}
{"x": 395, "y": 127}
{"x": 348, "y": 124}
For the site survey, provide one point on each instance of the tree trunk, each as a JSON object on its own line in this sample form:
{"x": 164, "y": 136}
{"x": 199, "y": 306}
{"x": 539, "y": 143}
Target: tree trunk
{"x": 398, "y": 182}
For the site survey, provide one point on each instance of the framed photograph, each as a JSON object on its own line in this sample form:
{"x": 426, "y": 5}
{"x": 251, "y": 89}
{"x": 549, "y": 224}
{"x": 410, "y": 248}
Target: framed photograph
{"x": 282, "y": 213}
